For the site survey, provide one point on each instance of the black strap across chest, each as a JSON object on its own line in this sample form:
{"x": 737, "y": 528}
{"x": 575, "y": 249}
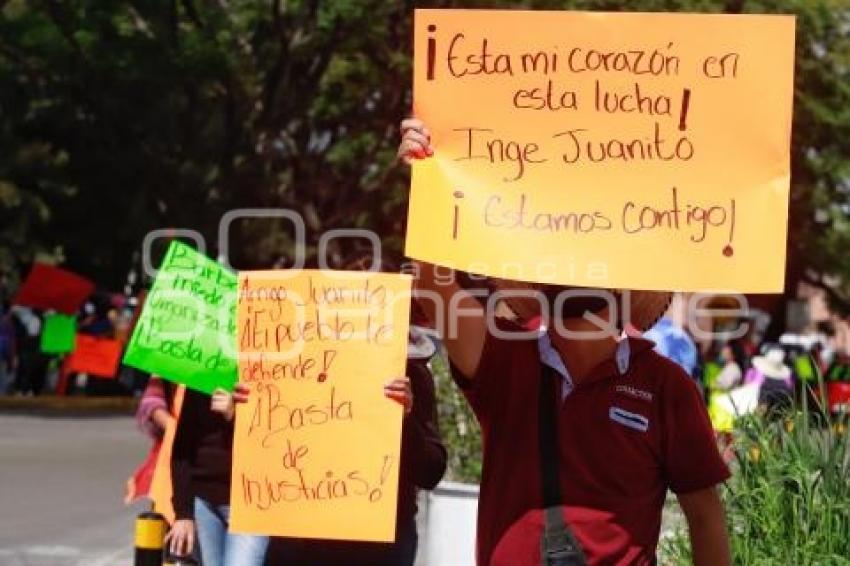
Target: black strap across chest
{"x": 558, "y": 545}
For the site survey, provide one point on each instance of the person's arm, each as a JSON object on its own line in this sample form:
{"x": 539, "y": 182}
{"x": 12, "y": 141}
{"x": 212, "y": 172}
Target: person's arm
{"x": 707, "y": 527}
{"x": 182, "y": 457}
{"x": 181, "y": 536}
{"x": 153, "y": 415}
{"x": 455, "y": 313}
{"x": 729, "y": 376}
{"x": 421, "y": 441}
{"x": 162, "y": 418}
{"x": 692, "y": 463}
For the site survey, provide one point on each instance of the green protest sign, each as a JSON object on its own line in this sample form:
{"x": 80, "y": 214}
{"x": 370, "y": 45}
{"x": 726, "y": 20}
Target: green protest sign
{"x": 187, "y": 330}
{"x": 58, "y": 334}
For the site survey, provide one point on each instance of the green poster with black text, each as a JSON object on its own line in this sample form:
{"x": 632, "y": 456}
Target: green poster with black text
{"x": 186, "y": 332}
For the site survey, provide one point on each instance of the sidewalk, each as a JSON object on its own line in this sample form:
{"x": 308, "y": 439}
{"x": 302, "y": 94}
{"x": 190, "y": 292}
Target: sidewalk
{"x": 51, "y": 405}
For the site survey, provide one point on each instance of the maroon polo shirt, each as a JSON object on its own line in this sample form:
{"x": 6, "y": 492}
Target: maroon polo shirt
{"x": 624, "y": 439}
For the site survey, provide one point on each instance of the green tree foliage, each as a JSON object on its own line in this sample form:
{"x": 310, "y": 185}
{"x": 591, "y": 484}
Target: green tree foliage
{"x": 121, "y": 117}
{"x": 118, "y": 117}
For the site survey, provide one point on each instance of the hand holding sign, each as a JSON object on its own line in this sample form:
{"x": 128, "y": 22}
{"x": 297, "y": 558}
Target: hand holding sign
{"x": 575, "y": 153}
{"x": 316, "y": 445}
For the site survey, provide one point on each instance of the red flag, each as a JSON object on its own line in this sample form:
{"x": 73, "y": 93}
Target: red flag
{"x": 94, "y": 356}
{"x": 50, "y": 287}
{"x": 139, "y": 484}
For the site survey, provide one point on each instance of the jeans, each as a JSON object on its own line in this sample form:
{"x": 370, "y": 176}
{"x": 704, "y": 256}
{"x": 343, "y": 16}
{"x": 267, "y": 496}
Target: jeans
{"x": 220, "y": 548}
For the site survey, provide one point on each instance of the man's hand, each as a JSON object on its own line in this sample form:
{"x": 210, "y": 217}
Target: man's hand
{"x": 181, "y": 538}
{"x": 223, "y": 404}
{"x": 399, "y": 391}
{"x": 415, "y": 141}
{"x": 707, "y": 526}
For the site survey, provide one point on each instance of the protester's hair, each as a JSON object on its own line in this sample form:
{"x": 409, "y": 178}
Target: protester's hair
{"x": 739, "y": 355}
{"x": 826, "y": 327}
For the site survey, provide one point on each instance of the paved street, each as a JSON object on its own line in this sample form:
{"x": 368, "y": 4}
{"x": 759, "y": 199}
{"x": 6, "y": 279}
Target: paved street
{"x": 61, "y": 489}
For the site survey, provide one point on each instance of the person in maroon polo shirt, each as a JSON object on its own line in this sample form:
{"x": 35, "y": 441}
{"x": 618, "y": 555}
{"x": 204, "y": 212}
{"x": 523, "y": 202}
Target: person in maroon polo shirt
{"x": 584, "y": 429}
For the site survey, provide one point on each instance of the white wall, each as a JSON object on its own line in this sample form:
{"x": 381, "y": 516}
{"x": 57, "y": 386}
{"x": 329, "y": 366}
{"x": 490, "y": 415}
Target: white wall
{"x": 447, "y": 518}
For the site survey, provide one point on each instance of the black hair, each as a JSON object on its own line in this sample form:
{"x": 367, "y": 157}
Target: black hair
{"x": 739, "y": 355}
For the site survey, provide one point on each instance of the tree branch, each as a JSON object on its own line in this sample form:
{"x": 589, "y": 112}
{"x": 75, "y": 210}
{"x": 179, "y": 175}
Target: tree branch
{"x": 59, "y": 19}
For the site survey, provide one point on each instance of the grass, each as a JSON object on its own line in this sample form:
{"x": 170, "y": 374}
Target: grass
{"x": 788, "y": 501}
{"x": 458, "y": 427}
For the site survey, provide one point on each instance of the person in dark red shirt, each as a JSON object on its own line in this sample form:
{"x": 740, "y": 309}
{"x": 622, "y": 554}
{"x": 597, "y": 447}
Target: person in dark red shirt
{"x": 584, "y": 429}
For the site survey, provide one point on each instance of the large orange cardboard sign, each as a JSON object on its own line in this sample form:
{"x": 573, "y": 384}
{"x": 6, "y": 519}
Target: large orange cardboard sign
{"x": 625, "y": 150}
{"x": 162, "y": 487}
{"x": 316, "y": 448}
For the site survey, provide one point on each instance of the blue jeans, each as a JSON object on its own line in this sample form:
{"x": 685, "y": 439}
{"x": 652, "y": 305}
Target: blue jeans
{"x": 220, "y": 548}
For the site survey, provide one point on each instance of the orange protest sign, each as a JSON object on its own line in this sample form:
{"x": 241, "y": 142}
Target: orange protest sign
{"x": 316, "y": 448}
{"x": 624, "y": 150}
{"x": 161, "y": 486}
{"x": 94, "y": 356}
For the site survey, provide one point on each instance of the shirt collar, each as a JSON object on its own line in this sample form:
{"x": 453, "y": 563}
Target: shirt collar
{"x": 550, "y": 356}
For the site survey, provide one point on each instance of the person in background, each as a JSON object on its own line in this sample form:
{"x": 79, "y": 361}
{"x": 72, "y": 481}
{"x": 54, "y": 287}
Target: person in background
{"x": 734, "y": 362}
{"x": 839, "y": 369}
{"x": 95, "y": 320}
{"x": 8, "y": 350}
{"x": 711, "y": 368}
{"x": 821, "y": 357}
{"x": 32, "y": 364}
{"x": 153, "y": 416}
{"x": 200, "y": 474}
{"x": 672, "y": 341}
{"x": 749, "y": 343}
{"x": 423, "y": 463}
{"x": 777, "y": 388}
{"x": 154, "y": 412}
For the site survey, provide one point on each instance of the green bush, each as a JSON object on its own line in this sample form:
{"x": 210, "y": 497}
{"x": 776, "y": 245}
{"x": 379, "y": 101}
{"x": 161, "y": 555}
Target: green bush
{"x": 788, "y": 501}
{"x": 458, "y": 426}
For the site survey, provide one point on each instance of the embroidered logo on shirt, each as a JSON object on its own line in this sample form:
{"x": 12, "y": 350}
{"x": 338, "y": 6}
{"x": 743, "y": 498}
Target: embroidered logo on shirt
{"x": 634, "y": 392}
{"x": 629, "y": 419}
